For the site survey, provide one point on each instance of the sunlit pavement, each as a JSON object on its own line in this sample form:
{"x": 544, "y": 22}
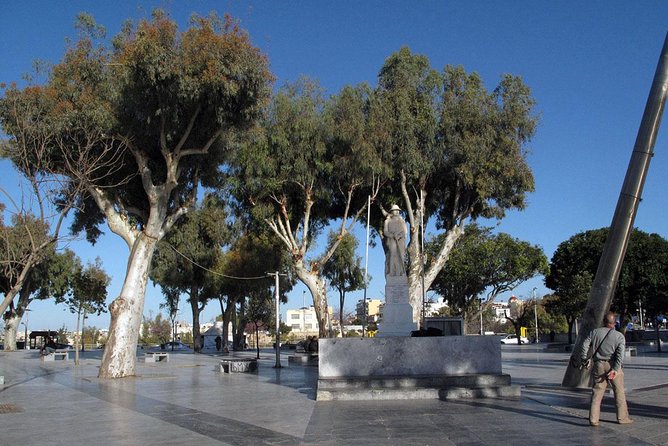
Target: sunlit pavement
{"x": 189, "y": 401}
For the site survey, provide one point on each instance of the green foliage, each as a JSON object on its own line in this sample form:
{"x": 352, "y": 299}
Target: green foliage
{"x": 158, "y": 97}
{"x": 252, "y": 255}
{"x": 62, "y": 336}
{"x": 343, "y": 269}
{"x": 155, "y": 330}
{"x": 465, "y": 147}
{"x": 482, "y": 261}
{"x": 89, "y": 289}
{"x": 643, "y": 275}
{"x": 91, "y": 336}
{"x": 183, "y": 258}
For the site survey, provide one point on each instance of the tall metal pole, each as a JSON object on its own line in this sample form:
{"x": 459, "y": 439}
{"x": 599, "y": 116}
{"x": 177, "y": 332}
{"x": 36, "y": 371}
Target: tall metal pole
{"x": 614, "y": 250}
{"x": 482, "y": 333}
{"x": 424, "y": 292}
{"x": 278, "y": 326}
{"x": 366, "y": 266}
{"x": 535, "y": 311}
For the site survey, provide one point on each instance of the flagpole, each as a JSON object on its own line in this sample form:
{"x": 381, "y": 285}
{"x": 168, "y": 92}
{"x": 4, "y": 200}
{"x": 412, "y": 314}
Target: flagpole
{"x": 366, "y": 264}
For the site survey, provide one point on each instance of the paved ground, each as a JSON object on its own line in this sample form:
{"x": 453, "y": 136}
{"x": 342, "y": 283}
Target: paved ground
{"x": 188, "y": 401}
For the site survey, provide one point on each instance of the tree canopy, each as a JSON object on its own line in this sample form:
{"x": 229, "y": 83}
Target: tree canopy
{"x": 136, "y": 129}
{"x": 455, "y": 151}
{"x": 343, "y": 271}
{"x": 485, "y": 262}
{"x": 310, "y": 164}
{"x": 643, "y": 277}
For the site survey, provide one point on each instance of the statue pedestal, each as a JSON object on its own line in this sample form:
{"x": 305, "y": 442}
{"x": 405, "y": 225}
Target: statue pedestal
{"x": 397, "y": 312}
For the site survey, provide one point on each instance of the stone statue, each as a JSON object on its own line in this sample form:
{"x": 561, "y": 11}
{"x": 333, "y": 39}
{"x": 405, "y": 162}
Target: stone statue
{"x": 394, "y": 237}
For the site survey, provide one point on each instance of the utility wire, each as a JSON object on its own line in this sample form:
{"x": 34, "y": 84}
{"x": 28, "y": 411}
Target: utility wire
{"x": 211, "y": 271}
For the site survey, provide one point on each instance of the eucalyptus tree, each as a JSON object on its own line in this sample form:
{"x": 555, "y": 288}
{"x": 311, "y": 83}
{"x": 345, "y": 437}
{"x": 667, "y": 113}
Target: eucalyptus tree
{"x": 457, "y": 152}
{"x": 343, "y": 270}
{"x": 88, "y": 295}
{"x": 310, "y": 164}
{"x": 184, "y": 258}
{"x": 140, "y": 127}
{"x": 49, "y": 279}
{"x": 243, "y": 276}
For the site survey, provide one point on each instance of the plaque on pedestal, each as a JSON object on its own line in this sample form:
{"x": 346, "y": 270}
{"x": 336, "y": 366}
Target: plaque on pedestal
{"x": 397, "y": 312}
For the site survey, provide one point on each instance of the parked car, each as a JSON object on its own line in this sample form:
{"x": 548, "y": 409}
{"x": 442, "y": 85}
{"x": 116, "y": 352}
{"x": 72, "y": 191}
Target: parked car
{"x": 176, "y": 346}
{"x": 512, "y": 339}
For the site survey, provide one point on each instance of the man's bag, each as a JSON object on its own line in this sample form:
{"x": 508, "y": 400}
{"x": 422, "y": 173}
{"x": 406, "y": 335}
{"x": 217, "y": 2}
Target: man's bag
{"x": 581, "y": 365}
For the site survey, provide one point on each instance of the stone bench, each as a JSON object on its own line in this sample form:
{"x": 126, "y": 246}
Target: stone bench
{"x": 630, "y": 351}
{"x": 238, "y": 365}
{"x": 156, "y": 357}
{"x": 58, "y": 354}
{"x": 304, "y": 359}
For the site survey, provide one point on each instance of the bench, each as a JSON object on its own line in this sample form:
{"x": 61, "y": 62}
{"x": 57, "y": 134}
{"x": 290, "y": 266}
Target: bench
{"x": 57, "y": 354}
{"x": 238, "y": 365}
{"x": 156, "y": 357}
{"x": 304, "y": 359}
{"x": 630, "y": 351}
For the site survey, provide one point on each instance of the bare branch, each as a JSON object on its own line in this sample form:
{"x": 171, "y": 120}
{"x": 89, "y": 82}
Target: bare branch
{"x": 188, "y": 130}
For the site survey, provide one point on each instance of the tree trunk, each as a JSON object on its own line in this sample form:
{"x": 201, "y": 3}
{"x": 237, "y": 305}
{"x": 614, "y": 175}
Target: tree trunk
{"x": 194, "y": 306}
{"x": 77, "y": 341}
{"x": 227, "y": 317}
{"x": 257, "y": 340}
{"x": 436, "y": 265}
{"x": 239, "y": 343}
{"x": 571, "y": 322}
{"x": 342, "y": 299}
{"x": 318, "y": 289}
{"x": 11, "y": 327}
{"x": 120, "y": 353}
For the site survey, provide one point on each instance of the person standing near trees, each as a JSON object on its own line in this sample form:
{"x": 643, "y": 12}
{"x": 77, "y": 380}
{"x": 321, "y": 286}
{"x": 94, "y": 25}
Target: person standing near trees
{"x": 608, "y": 345}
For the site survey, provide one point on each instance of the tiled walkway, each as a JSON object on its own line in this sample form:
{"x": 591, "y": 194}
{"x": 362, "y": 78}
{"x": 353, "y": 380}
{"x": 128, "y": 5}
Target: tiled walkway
{"x": 187, "y": 401}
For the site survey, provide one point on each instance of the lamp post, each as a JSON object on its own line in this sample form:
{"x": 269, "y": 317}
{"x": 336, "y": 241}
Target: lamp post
{"x": 640, "y": 311}
{"x": 278, "y": 324}
{"x": 26, "y": 342}
{"x": 482, "y": 333}
{"x": 535, "y": 311}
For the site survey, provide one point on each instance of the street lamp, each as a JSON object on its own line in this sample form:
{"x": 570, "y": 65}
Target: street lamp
{"x": 535, "y": 311}
{"x": 482, "y": 333}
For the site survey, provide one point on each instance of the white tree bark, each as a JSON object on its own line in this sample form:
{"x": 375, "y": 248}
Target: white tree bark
{"x": 120, "y": 353}
{"x": 11, "y": 327}
{"x": 318, "y": 289}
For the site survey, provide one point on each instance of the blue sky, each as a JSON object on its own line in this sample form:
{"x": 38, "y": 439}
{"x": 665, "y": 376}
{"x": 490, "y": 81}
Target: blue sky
{"x": 589, "y": 65}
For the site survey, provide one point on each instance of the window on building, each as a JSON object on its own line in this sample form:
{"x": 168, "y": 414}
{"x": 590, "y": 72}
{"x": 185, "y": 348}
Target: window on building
{"x": 296, "y": 326}
{"x": 294, "y": 316}
{"x": 308, "y": 326}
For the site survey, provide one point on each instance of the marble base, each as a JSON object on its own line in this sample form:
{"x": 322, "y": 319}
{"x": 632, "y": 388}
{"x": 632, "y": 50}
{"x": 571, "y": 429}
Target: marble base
{"x": 399, "y": 356}
{"x": 410, "y": 368}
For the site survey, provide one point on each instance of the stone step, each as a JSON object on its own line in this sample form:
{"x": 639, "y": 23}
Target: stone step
{"x": 418, "y": 393}
{"x": 417, "y": 381}
{"x": 446, "y": 387}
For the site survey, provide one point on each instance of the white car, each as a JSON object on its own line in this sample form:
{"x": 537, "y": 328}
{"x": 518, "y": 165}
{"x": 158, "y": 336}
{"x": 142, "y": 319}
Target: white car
{"x": 512, "y": 339}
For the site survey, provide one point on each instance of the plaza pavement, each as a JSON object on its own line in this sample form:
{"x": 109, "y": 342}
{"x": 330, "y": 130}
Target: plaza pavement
{"x": 187, "y": 401}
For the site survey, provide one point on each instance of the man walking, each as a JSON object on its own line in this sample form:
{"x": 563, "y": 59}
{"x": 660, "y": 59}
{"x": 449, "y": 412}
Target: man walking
{"x": 608, "y": 345}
